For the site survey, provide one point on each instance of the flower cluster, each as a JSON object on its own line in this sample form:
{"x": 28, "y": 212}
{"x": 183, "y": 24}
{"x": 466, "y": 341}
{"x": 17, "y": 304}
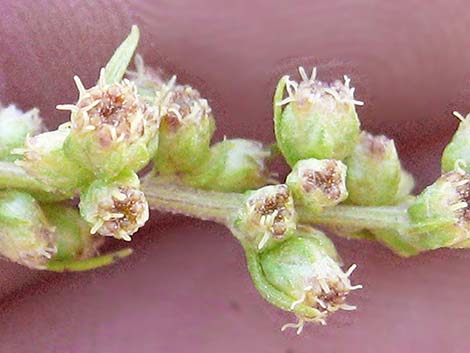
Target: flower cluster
{"x": 63, "y": 191}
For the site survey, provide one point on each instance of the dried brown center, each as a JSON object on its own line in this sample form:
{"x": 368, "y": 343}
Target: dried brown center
{"x": 327, "y": 180}
{"x": 114, "y": 107}
{"x": 275, "y": 206}
{"x": 128, "y": 210}
{"x": 332, "y": 300}
{"x": 180, "y": 105}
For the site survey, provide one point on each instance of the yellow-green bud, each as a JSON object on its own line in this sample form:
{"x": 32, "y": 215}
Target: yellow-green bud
{"x": 25, "y": 235}
{"x": 186, "y": 129}
{"x": 234, "y": 165}
{"x": 319, "y": 119}
{"x": 441, "y": 213}
{"x": 374, "y": 171}
{"x": 457, "y": 152}
{"x": 267, "y": 216}
{"x": 316, "y": 184}
{"x": 112, "y": 128}
{"x": 115, "y": 208}
{"x": 15, "y": 127}
{"x": 45, "y": 160}
{"x": 302, "y": 275}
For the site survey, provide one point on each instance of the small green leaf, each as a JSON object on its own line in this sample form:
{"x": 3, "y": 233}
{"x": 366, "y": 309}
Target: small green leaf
{"x": 117, "y": 65}
{"x": 88, "y": 264}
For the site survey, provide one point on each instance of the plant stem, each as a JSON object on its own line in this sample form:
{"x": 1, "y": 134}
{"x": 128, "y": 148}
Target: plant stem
{"x": 359, "y": 217}
{"x": 207, "y": 205}
{"x": 220, "y": 207}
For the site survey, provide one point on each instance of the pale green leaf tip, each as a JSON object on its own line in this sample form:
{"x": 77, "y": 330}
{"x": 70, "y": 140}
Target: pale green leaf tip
{"x": 116, "y": 67}
{"x": 75, "y": 265}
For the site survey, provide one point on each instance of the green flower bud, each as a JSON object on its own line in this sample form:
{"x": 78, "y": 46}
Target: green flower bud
{"x": 112, "y": 129}
{"x": 457, "y": 152}
{"x": 319, "y": 119}
{"x": 441, "y": 213}
{"x": 302, "y": 275}
{"x": 267, "y": 217}
{"x": 115, "y": 208}
{"x": 25, "y": 235}
{"x": 234, "y": 165}
{"x": 186, "y": 129}
{"x": 15, "y": 127}
{"x": 374, "y": 171}
{"x": 316, "y": 184}
{"x": 45, "y": 160}
{"x": 73, "y": 238}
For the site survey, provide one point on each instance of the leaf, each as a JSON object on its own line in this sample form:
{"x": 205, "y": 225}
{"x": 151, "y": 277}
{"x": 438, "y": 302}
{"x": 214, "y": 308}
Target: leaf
{"x": 116, "y": 67}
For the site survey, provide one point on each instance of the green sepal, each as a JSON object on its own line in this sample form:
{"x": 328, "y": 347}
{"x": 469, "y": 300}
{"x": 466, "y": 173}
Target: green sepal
{"x": 45, "y": 160}
{"x": 374, "y": 172}
{"x": 105, "y": 163}
{"x": 270, "y": 293}
{"x": 185, "y": 148}
{"x": 73, "y": 236}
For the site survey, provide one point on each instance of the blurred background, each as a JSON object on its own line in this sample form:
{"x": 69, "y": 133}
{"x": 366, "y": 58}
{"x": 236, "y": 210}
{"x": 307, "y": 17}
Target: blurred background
{"x": 186, "y": 288}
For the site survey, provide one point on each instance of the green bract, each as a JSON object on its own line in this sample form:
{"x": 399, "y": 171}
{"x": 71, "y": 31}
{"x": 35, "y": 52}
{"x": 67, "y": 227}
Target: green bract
{"x": 115, "y": 208}
{"x": 267, "y": 216}
{"x": 302, "y": 275}
{"x": 73, "y": 238}
{"x": 44, "y": 159}
{"x": 440, "y": 214}
{"x": 15, "y": 126}
{"x": 316, "y": 184}
{"x": 457, "y": 152}
{"x": 111, "y": 129}
{"x": 234, "y": 165}
{"x": 319, "y": 120}
{"x": 186, "y": 129}
{"x": 25, "y": 235}
{"x": 374, "y": 171}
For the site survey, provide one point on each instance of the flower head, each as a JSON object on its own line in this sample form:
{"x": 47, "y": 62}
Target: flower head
{"x": 319, "y": 119}
{"x": 316, "y": 184}
{"x": 186, "y": 129}
{"x": 15, "y": 127}
{"x": 267, "y": 216}
{"x": 115, "y": 208}
{"x": 302, "y": 275}
{"x": 26, "y": 237}
{"x": 112, "y": 128}
{"x": 374, "y": 171}
{"x": 441, "y": 213}
{"x": 45, "y": 160}
{"x": 234, "y": 165}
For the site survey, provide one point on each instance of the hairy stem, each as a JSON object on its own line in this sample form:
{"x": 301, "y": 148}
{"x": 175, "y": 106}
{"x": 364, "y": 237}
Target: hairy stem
{"x": 207, "y": 205}
{"x": 359, "y": 217}
{"x": 220, "y": 207}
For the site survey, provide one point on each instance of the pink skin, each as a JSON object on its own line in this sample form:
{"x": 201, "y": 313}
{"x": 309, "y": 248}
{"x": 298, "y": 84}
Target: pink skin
{"x": 186, "y": 289}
